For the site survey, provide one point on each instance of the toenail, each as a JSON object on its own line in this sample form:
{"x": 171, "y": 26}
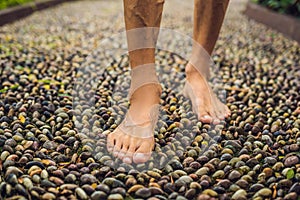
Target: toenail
{"x": 139, "y": 155}
{"x": 216, "y": 121}
{"x": 109, "y": 149}
{"x": 206, "y": 118}
{"x": 115, "y": 153}
{"x": 127, "y": 160}
{"x": 121, "y": 154}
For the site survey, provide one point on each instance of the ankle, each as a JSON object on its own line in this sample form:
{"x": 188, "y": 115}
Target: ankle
{"x": 190, "y": 71}
{"x": 148, "y": 92}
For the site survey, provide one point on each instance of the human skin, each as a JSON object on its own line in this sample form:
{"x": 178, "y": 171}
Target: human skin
{"x": 139, "y": 14}
{"x": 208, "y": 18}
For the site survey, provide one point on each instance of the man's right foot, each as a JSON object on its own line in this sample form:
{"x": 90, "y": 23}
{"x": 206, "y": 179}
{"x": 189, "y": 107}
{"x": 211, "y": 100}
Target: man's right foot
{"x": 133, "y": 139}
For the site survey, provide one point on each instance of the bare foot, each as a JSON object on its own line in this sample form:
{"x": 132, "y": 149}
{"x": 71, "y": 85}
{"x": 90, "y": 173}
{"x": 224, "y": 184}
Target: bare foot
{"x": 206, "y": 105}
{"x": 133, "y": 141}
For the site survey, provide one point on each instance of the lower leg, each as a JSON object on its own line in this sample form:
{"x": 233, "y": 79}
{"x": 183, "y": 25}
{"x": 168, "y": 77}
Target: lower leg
{"x": 140, "y": 15}
{"x": 142, "y": 22}
{"x": 208, "y": 19}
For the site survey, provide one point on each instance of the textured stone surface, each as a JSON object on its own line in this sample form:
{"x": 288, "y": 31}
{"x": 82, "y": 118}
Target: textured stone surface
{"x": 45, "y": 153}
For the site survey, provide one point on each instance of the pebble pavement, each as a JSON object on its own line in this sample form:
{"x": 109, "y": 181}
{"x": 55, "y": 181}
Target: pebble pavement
{"x": 47, "y": 151}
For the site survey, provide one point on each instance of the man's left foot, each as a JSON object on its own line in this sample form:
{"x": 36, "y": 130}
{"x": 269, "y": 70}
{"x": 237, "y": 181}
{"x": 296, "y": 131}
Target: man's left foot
{"x": 206, "y": 105}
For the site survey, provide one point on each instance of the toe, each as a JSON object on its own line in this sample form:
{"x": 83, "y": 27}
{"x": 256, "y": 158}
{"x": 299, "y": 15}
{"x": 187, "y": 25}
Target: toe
{"x": 110, "y": 142}
{"x": 129, "y": 154}
{"x": 219, "y": 110}
{"x": 216, "y": 121}
{"x": 203, "y": 115}
{"x": 220, "y": 114}
{"x": 228, "y": 112}
{"x": 123, "y": 151}
{"x": 127, "y": 159}
{"x": 205, "y": 118}
{"x": 213, "y": 113}
{"x": 141, "y": 157}
{"x": 117, "y": 147}
{"x": 215, "y": 118}
{"x": 121, "y": 154}
{"x": 143, "y": 153}
{"x": 221, "y": 117}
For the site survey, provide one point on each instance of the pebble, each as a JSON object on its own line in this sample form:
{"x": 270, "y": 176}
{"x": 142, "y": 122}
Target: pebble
{"x": 98, "y": 195}
{"x": 104, "y": 188}
{"x": 242, "y": 184}
{"x": 234, "y": 175}
{"x": 46, "y": 183}
{"x": 143, "y": 193}
{"x": 48, "y": 195}
{"x": 4, "y": 155}
{"x": 27, "y": 183}
{"x": 119, "y": 190}
{"x": 36, "y": 178}
{"x": 88, "y": 179}
{"x": 203, "y": 197}
{"x": 284, "y": 183}
{"x": 218, "y": 174}
{"x": 11, "y": 142}
{"x": 225, "y": 183}
{"x": 295, "y": 188}
{"x": 88, "y": 189}
{"x": 34, "y": 163}
{"x": 115, "y": 197}
{"x": 156, "y": 191}
{"x": 291, "y": 161}
{"x": 240, "y": 195}
{"x": 12, "y": 179}
{"x": 50, "y": 145}
{"x": 210, "y": 192}
{"x": 112, "y": 182}
{"x": 44, "y": 174}
{"x": 68, "y": 186}
{"x": 81, "y": 193}
{"x": 202, "y": 171}
{"x": 183, "y": 180}
{"x": 70, "y": 178}
{"x": 291, "y": 196}
{"x": 270, "y": 160}
{"x": 190, "y": 194}
{"x": 278, "y": 166}
{"x": 134, "y": 188}
{"x": 256, "y": 187}
{"x": 13, "y": 170}
{"x": 234, "y": 188}
{"x": 264, "y": 192}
